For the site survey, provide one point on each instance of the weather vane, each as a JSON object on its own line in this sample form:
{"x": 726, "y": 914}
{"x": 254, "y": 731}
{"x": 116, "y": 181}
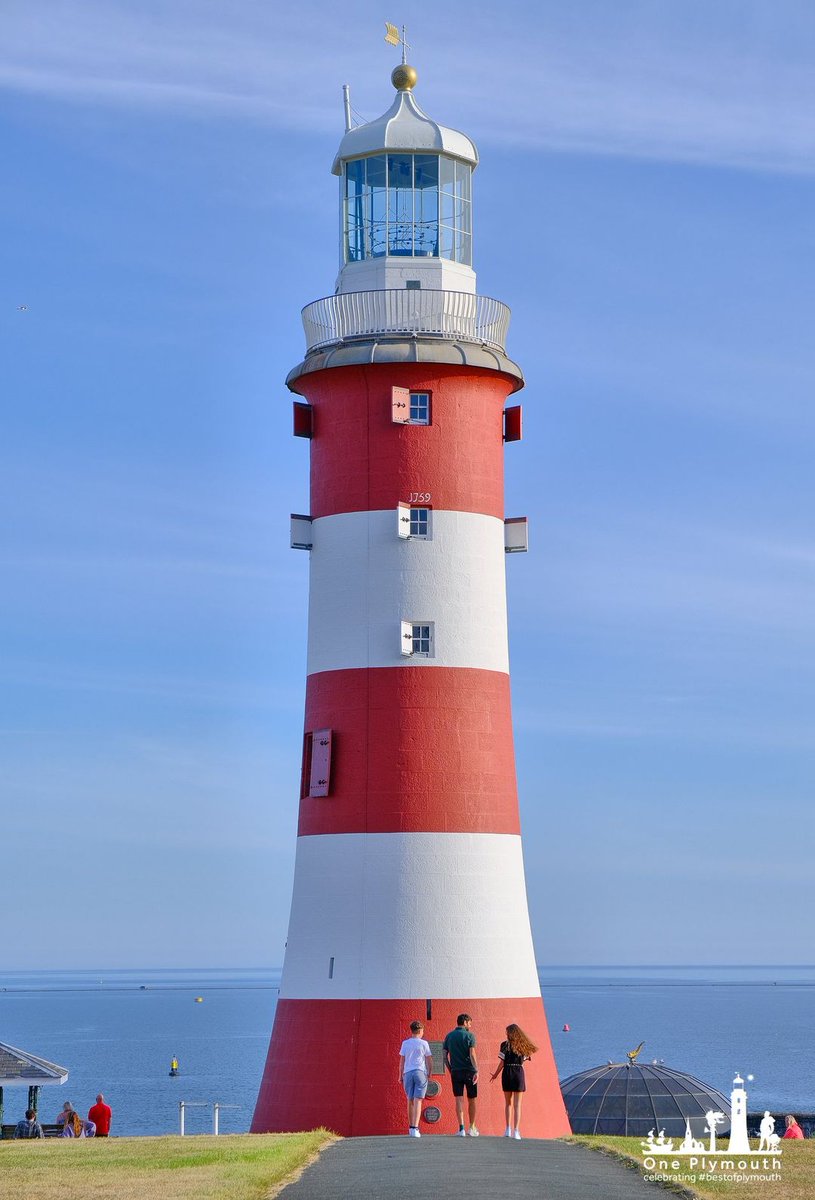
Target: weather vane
{"x": 393, "y": 39}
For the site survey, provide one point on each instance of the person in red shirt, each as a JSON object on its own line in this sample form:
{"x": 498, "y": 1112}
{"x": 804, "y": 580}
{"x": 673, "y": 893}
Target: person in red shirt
{"x": 793, "y": 1129}
{"x": 100, "y": 1114}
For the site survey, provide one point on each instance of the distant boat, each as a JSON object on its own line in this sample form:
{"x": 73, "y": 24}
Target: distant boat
{"x": 567, "y": 1028}
{"x": 199, "y": 999}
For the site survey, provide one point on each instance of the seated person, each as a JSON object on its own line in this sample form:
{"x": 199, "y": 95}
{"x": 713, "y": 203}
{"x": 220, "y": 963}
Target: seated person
{"x": 29, "y": 1126}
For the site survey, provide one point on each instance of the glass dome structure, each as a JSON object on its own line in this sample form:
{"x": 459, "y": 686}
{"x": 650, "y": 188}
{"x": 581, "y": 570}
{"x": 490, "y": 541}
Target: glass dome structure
{"x": 407, "y": 205}
{"x": 631, "y": 1099}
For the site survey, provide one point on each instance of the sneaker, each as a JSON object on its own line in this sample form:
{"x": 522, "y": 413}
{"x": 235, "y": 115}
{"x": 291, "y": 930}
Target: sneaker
{"x": 473, "y": 1131}
{"x": 411, "y": 1132}
{"x": 517, "y": 1135}
{"x": 507, "y": 1132}
{"x": 416, "y": 1133}
{"x": 461, "y": 1132}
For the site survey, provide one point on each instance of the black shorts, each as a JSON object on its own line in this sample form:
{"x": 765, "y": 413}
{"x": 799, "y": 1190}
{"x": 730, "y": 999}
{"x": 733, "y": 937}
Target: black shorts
{"x": 513, "y": 1079}
{"x": 462, "y": 1080}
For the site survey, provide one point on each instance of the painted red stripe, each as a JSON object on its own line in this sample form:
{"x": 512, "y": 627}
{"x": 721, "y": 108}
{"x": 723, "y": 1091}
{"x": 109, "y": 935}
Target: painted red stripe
{"x": 318, "y": 1046}
{"x": 414, "y": 749}
{"x": 361, "y": 460}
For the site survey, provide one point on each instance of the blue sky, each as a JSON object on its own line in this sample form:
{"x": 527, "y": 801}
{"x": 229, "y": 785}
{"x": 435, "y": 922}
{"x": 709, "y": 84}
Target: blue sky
{"x": 645, "y": 205}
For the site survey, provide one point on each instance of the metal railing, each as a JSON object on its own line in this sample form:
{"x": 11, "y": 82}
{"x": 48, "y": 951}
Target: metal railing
{"x": 456, "y": 316}
{"x": 217, "y": 1108}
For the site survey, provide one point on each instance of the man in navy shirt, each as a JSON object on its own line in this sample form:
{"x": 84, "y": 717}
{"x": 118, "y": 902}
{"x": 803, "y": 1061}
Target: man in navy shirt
{"x": 459, "y": 1056}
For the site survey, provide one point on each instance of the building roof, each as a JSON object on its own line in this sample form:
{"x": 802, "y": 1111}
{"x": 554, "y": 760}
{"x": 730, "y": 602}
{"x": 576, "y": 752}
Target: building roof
{"x": 405, "y": 126}
{"x": 383, "y": 349}
{"x": 631, "y": 1099}
{"x": 19, "y": 1067}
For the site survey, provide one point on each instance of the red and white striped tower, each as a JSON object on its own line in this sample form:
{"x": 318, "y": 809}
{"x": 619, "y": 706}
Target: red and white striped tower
{"x": 409, "y": 895}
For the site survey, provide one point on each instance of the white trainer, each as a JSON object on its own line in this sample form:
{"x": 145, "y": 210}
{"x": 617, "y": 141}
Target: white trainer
{"x": 473, "y": 1131}
{"x": 507, "y": 1132}
{"x": 461, "y": 1132}
{"x": 517, "y": 1135}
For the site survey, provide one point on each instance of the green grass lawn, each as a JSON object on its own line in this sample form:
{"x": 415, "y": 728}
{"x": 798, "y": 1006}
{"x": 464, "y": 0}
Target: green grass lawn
{"x": 239, "y": 1167}
{"x": 797, "y": 1170}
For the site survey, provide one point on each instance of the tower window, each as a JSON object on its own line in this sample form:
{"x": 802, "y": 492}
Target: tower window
{"x": 315, "y": 778}
{"x": 419, "y": 522}
{"x": 422, "y": 639}
{"x": 417, "y": 639}
{"x": 420, "y": 408}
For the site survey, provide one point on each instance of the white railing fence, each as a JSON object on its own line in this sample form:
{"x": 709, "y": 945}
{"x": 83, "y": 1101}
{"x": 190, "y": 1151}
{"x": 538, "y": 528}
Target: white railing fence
{"x": 217, "y": 1108}
{"x": 451, "y": 315}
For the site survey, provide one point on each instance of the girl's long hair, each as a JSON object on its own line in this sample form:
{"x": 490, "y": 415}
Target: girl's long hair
{"x": 519, "y": 1043}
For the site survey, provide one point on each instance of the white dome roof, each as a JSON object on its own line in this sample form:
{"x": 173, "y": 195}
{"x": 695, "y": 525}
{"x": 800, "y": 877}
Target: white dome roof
{"x": 404, "y": 127}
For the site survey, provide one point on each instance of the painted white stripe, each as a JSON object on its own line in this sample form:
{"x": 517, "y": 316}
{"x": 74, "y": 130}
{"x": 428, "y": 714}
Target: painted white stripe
{"x": 407, "y": 915}
{"x": 365, "y": 580}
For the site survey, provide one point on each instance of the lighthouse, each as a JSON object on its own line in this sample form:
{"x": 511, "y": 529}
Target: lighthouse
{"x": 409, "y": 900}
{"x": 739, "y": 1141}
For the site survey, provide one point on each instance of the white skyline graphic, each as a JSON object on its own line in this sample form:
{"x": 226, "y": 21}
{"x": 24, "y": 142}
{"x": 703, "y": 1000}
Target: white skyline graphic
{"x": 739, "y": 1142}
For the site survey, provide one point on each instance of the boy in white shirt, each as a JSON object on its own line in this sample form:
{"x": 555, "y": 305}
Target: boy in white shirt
{"x": 415, "y": 1061}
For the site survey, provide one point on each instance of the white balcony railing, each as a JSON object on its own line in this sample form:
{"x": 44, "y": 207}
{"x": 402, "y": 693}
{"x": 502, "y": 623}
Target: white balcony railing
{"x": 456, "y": 316}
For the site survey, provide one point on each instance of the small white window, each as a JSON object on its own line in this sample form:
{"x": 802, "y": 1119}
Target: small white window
{"x": 422, "y": 639}
{"x": 302, "y": 537}
{"x": 417, "y": 638}
{"x": 413, "y": 522}
{"x": 516, "y": 534}
{"x": 420, "y": 408}
{"x": 420, "y": 522}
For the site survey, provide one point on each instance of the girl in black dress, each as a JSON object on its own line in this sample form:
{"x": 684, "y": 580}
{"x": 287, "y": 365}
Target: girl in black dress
{"x": 512, "y": 1055}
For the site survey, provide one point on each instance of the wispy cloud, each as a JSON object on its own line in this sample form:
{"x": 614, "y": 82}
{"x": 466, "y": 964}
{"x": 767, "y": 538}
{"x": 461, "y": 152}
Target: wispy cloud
{"x": 647, "y": 80}
{"x": 655, "y": 570}
{"x": 189, "y": 691}
{"x": 165, "y": 777}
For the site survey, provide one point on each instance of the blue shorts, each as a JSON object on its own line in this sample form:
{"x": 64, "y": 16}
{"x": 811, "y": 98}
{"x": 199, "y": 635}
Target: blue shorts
{"x": 415, "y": 1084}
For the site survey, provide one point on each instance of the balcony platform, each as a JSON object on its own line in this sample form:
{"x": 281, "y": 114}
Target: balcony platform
{"x": 457, "y": 316}
{"x": 398, "y": 325}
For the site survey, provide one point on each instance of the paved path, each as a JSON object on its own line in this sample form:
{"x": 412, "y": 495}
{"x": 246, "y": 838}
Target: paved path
{"x": 486, "y": 1168}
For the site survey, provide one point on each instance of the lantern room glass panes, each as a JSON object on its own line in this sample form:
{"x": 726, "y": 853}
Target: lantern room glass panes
{"x": 400, "y": 204}
{"x": 409, "y": 206}
{"x": 426, "y": 205}
{"x": 376, "y": 210}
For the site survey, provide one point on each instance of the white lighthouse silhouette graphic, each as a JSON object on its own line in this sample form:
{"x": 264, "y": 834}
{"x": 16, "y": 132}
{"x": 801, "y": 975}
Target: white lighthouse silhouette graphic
{"x": 409, "y": 897}
{"x": 739, "y": 1142}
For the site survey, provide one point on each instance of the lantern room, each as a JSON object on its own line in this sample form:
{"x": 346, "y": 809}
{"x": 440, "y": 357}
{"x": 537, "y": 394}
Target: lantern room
{"x": 405, "y": 200}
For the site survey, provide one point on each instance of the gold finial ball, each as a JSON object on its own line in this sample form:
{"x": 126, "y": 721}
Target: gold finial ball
{"x": 404, "y": 78}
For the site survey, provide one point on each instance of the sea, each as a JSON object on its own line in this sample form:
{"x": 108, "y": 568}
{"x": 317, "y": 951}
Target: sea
{"x": 117, "y": 1031}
